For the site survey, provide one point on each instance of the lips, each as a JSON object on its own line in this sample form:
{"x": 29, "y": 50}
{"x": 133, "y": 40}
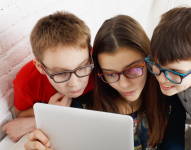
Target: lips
{"x": 129, "y": 93}
{"x": 166, "y": 87}
{"x": 76, "y": 91}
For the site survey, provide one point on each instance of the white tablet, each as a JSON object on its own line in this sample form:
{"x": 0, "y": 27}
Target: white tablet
{"x": 80, "y": 129}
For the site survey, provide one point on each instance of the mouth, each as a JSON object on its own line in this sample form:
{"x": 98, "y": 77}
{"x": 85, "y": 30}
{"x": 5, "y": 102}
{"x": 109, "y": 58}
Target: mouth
{"x": 166, "y": 87}
{"x": 129, "y": 93}
{"x": 76, "y": 91}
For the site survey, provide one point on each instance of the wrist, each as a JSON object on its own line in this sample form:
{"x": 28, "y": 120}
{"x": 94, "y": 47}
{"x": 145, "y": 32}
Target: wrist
{"x": 32, "y": 123}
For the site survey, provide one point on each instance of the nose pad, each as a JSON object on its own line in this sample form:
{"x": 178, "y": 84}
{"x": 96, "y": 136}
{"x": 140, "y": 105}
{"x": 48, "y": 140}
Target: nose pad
{"x": 73, "y": 81}
{"x": 162, "y": 77}
{"x": 124, "y": 81}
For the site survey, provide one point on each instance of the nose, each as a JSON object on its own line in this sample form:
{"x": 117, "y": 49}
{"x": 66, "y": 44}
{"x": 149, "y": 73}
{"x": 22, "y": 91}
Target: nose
{"x": 73, "y": 81}
{"x": 162, "y": 78}
{"x": 124, "y": 81}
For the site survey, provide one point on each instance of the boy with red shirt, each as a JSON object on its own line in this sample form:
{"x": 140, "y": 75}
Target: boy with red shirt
{"x": 59, "y": 72}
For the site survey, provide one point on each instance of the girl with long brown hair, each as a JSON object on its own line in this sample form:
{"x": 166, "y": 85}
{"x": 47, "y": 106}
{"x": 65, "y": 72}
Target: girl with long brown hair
{"x": 123, "y": 85}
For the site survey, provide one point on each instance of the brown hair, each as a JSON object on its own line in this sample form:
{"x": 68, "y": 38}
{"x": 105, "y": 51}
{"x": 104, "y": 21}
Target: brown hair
{"x": 115, "y": 33}
{"x": 58, "y": 29}
{"x": 171, "y": 40}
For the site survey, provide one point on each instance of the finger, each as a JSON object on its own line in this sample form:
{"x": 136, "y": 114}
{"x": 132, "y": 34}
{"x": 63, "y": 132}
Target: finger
{"x": 65, "y": 101}
{"x": 55, "y": 98}
{"x": 37, "y": 135}
{"x": 69, "y": 102}
{"x": 34, "y": 145}
{"x": 15, "y": 139}
{"x": 4, "y": 128}
{"x": 10, "y": 137}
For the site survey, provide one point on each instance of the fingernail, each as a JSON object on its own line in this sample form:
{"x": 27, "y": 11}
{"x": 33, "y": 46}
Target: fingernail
{"x": 47, "y": 144}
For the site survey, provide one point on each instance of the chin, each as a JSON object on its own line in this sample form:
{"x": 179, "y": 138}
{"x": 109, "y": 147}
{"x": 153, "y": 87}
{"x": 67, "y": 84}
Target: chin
{"x": 131, "y": 99}
{"x": 168, "y": 93}
{"x": 75, "y": 96}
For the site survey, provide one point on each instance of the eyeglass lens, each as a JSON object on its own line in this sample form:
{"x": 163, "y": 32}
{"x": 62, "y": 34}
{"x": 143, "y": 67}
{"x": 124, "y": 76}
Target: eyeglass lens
{"x": 169, "y": 75}
{"x": 130, "y": 73}
{"x": 66, "y": 75}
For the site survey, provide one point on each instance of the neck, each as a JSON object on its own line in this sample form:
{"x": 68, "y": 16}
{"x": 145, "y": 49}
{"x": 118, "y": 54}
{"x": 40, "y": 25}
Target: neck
{"x": 129, "y": 107}
{"x": 136, "y": 104}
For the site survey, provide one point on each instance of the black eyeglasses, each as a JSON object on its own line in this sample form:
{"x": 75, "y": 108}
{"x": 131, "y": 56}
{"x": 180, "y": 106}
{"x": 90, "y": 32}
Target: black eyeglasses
{"x": 65, "y": 75}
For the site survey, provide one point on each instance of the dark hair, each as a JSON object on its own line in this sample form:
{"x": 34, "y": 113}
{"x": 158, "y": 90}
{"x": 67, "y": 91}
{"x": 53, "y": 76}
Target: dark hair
{"x": 58, "y": 29}
{"x": 171, "y": 40}
{"x": 115, "y": 33}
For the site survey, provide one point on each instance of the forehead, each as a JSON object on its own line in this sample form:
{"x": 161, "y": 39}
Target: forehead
{"x": 66, "y": 57}
{"x": 120, "y": 59}
{"x": 178, "y": 65}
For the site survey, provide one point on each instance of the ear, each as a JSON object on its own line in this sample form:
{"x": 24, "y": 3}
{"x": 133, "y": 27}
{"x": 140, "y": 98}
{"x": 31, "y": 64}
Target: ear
{"x": 38, "y": 66}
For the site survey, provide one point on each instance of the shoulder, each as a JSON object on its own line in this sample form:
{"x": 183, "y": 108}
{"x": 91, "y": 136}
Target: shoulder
{"x": 174, "y": 101}
{"x": 185, "y": 98}
{"x": 27, "y": 75}
{"x": 185, "y": 94}
{"x": 175, "y": 128}
{"x": 176, "y": 107}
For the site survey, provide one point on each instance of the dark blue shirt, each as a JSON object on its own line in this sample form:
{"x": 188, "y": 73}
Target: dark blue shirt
{"x": 174, "y": 132}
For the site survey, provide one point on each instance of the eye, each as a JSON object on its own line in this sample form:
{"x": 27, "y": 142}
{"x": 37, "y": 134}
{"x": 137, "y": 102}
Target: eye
{"x": 111, "y": 75}
{"x": 63, "y": 74}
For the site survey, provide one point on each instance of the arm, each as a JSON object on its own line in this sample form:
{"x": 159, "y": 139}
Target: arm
{"x": 26, "y": 113}
{"x": 57, "y": 99}
{"x": 175, "y": 129}
{"x": 18, "y": 127}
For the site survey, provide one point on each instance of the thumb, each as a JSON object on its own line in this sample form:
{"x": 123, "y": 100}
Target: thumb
{"x": 55, "y": 98}
{"x": 4, "y": 128}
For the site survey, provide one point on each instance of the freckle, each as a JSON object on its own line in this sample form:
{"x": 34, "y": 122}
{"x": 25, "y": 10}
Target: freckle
{"x": 1, "y": 9}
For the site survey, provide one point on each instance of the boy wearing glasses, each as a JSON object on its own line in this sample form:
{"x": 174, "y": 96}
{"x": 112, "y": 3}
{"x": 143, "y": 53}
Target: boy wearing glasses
{"x": 170, "y": 59}
{"x": 59, "y": 72}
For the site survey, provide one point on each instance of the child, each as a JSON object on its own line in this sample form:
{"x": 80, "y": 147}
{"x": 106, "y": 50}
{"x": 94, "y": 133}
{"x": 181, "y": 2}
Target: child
{"x": 123, "y": 85}
{"x": 170, "y": 58}
{"x": 126, "y": 87}
{"x": 61, "y": 68}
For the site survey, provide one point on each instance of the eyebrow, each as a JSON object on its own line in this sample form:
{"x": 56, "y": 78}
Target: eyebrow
{"x": 176, "y": 70}
{"x": 63, "y": 69}
{"x": 124, "y": 67}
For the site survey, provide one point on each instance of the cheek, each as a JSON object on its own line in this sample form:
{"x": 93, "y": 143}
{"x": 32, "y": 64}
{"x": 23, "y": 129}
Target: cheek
{"x": 60, "y": 87}
{"x": 142, "y": 80}
{"x": 83, "y": 82}
{"x": 85, "y": 79}
{"x": 57, "y": 86}
{"x": 186, "y": 83}
{"x": 156, "y": 77}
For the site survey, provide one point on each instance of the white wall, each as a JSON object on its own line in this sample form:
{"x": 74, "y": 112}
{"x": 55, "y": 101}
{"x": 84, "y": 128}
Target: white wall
{"x": 160, "y": 7}
{"x": 17, "y": 18}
